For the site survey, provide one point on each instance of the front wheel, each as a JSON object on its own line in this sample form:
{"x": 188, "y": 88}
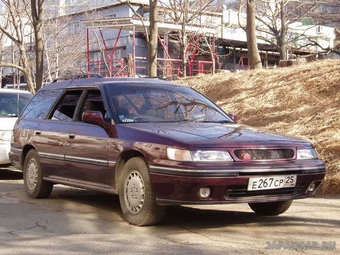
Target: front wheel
{"x": 136, "y": 197}
{"x": 35, "y": 186}
{"x": 270, "y": 208}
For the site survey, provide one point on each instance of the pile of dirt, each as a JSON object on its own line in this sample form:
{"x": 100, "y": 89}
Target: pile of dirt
{"x": 301, "y": 101}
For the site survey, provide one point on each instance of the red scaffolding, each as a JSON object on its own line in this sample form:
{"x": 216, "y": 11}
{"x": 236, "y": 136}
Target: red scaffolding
{"x": 167, "y": 66}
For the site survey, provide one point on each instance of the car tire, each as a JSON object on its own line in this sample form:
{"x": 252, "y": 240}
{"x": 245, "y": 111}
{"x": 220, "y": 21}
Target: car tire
{"x": 136, "y": 197}
{"x": 270, "y": 208}
{"x": 35, "y": 186}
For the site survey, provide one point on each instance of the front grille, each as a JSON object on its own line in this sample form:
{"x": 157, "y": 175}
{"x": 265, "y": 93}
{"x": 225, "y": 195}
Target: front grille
{"x": 241, "y": 191}
{"x": 264, "y": 154}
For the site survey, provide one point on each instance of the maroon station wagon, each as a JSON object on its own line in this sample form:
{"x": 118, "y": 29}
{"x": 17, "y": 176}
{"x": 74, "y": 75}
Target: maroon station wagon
{"x": 155, "y": 143}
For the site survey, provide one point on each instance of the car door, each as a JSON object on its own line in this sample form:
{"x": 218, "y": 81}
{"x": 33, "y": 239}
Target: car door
{"x": 86, "y": 147}
{"x": 52, "y": 134}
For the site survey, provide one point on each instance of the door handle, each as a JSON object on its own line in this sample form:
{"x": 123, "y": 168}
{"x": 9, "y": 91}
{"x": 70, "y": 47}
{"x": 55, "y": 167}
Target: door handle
{"x": 38, "y": 132}
{"x": 71, "y": 136}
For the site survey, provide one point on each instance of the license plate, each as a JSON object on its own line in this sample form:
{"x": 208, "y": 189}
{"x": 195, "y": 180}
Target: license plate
{"x": 272, "y": 182}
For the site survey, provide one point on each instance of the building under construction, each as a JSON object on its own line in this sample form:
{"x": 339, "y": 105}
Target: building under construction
{"x": 117, "y": 44}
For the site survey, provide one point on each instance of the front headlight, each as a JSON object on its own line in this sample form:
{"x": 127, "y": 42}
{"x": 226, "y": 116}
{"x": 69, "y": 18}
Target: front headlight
{"x": 306, "y": 154}
{"x": 5, "y": 135}
{"x": 198, "y": 156}
{"x": 178, "y": 155}
{"x": 211, "y": 156}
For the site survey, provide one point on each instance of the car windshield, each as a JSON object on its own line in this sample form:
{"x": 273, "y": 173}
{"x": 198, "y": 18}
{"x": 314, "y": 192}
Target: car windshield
{"x": 11, "y": 104}
{"x": 147, "y": 103}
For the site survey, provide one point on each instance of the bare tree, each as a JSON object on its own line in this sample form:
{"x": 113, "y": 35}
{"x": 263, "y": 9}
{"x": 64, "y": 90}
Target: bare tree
{"x": 64, "y": 50}
{"x": 153, "y": 40}
{"x": 210, "y": 44}
{"x": 37, "y": 24}
{"x": 184, "y": 13}
{"x": 22, "y": 16}
{"x": 151, "y": 34}
{"x": 64, "y": 44}
{"x": 254, "y": 57}
{"x": 327, "y": 14}
{"x": 3, "y": 52}
{"x": 275, "y": 18}
{"x": 253, "y": 51}
{"x": 15, "y": 26}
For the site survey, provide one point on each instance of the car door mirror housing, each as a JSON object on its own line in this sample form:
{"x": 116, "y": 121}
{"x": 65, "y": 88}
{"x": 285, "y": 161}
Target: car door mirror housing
{"x": 233, "y": 116}
{"x": 93, "y": 117}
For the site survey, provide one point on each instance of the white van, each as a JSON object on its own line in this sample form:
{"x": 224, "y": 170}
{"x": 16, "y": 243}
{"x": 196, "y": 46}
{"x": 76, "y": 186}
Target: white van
{"x": 12, "y": 102}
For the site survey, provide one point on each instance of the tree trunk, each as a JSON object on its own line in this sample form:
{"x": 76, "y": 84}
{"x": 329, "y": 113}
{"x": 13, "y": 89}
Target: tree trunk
{"x": 153, "y": 43}
{"x": 253, "y": 51}
{"x": 26, "y": 68}
{"x": 213, "y": 55}
{"x": 282, "y": 47}
{"x": 36, "y": 8}
{"x": 183, "y": 48}
{"x": 131, "y": 72}
{"x": 282, "y": 40}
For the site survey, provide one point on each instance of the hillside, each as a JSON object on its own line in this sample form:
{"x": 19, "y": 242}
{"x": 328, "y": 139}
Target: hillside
{"x": 302, "y": 101}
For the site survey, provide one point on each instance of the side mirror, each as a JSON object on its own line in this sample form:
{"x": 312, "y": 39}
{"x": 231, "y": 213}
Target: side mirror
{"x": 234, "y": 117}
{"x": 93, "y": 117}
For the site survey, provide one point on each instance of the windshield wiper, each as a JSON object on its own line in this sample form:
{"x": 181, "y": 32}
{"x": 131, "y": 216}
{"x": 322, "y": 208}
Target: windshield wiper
{"x": 184, "y": 120}
{"x": 212, "y": 121}
{"x": 225, "y": 121}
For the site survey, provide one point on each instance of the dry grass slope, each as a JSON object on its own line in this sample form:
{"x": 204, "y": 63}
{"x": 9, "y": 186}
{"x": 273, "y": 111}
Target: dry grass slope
{"x": 301, "y": 101}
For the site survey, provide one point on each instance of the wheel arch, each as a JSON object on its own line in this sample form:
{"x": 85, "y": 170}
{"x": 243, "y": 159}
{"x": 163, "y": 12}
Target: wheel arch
{"x": 123, "y": 158}
{"x": 25, "y": 150}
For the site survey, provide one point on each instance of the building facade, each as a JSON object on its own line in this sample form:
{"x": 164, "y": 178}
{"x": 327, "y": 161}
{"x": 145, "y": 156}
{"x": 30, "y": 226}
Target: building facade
{"x": 110, "y": 37}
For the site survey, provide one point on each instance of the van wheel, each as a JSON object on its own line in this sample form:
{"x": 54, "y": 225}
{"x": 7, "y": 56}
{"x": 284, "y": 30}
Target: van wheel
{"x": 136, "y": 197}
{"x": 270, "y": 208}
{"x": 35, "y": 186}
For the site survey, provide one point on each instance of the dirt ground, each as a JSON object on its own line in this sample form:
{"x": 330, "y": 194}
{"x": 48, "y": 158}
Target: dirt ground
{"x": 301, "y": 101}
{"x": 75, "y": 221}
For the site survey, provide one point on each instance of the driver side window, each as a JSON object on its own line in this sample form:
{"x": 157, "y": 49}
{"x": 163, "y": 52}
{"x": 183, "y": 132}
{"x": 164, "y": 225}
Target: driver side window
{"x": 93, "y": 102}
{"x": 65, "y": 108}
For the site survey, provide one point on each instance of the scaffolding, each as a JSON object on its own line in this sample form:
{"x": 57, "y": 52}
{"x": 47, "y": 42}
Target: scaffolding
{"x": 131, "y": 64}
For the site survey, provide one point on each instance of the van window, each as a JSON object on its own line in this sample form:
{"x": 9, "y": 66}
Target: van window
{"x": 11, "y": 104}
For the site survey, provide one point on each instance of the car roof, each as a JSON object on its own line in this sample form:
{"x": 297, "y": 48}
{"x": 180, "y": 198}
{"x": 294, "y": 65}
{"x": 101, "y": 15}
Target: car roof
{"x": 12, "y": 91}
{"x": 99, "y": 81}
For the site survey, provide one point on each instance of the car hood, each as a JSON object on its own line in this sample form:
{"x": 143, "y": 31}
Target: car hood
{"x": 7, "y": 123}
{"x": 208, "y": 134}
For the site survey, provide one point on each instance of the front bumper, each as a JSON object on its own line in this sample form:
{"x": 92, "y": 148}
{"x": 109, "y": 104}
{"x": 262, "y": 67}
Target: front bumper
{"x": 181, "y": 186}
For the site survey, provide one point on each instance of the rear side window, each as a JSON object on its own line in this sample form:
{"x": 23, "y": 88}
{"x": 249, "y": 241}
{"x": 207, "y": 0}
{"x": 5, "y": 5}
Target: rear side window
{"x": 65, "y": 108}
{"x": 41, "y": 103}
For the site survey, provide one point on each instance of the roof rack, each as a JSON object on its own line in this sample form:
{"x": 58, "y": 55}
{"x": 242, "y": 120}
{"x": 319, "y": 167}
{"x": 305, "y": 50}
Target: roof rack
{"x": 165, "y": 78}
{"x": 79, "y": 76}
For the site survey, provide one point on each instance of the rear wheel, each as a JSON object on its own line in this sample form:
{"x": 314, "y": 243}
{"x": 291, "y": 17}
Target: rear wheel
{"x": 35, "y": 186}
{"x": 270, "y": 208}
{"x": 136, "y": 197}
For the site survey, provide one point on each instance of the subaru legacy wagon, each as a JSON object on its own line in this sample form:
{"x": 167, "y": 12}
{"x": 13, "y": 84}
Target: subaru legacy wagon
{"x": 155, "y": 143}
